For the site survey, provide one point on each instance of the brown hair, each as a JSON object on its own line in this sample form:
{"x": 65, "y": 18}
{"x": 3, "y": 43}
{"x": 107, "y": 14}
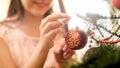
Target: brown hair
{"x": 15, "y": 7}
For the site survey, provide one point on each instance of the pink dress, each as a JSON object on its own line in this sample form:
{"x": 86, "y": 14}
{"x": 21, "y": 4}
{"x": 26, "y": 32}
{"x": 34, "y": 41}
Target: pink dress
{"x": 21, "y": 46}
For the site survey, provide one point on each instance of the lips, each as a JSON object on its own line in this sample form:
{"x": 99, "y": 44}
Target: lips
{"x": 41, "y": 4}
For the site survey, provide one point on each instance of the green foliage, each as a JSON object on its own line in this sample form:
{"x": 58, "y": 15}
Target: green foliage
{"x": 105, "y": 56}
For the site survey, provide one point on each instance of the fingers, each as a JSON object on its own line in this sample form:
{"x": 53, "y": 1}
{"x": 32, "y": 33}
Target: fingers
{"x": 51, "y": 25}
{"x": 51, "y": 35}
{"x": 51, "y": 17}
{"x": 59, "y": 46}
{"x": 67, "y": 52}
{"x": 55, "y": 17}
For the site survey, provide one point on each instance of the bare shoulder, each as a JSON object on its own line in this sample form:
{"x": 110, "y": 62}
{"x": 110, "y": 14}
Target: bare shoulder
{"x": 6, "y": 60}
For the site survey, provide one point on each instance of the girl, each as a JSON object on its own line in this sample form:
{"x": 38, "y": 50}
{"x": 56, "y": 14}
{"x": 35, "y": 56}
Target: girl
{"x": 32, "y": 37}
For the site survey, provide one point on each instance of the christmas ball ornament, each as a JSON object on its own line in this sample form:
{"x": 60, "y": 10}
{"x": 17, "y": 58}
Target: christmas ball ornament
{"x": 76, "y": 39}
{"x": 116, "y": 3}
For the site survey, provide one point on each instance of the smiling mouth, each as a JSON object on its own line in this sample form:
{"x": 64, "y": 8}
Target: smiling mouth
{"x": 41, "y": 4}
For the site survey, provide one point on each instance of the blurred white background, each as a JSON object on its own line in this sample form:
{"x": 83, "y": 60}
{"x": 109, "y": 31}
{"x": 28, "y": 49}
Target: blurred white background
{"x": 4, "y": 4}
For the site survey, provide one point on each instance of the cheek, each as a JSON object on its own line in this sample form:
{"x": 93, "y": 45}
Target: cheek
{"x": 29, "y": 7}
{"x": 27, "y": 4}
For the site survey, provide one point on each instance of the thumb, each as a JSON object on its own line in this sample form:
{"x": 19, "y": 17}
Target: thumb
{"x": 60, "y": 46}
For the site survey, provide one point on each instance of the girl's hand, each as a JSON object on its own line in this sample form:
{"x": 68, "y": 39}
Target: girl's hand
{"x": 62, "y": 52}
{"x": 50, "y": 26}
{"x": 58, "y": 55}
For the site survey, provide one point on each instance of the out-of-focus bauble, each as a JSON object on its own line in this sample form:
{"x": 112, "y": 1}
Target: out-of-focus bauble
{"x": 116, "y": 3}
{"x": 76, "y": 39}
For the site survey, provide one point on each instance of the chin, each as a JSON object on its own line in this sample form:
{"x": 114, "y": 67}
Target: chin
{"x": 39, "y": 14}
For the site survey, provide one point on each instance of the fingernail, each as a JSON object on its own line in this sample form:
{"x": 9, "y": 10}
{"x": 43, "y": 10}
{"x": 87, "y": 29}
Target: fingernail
{"x": 64, "y": 48}
{"x": 62, "y": 21}
{"x": 65, "y": 54}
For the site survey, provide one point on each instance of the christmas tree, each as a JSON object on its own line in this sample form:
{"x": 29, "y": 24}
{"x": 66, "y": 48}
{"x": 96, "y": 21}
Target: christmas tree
{"x": 104, "y": 32}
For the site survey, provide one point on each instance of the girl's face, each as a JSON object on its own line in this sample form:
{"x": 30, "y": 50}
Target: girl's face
{"x": 36, "y": 7}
